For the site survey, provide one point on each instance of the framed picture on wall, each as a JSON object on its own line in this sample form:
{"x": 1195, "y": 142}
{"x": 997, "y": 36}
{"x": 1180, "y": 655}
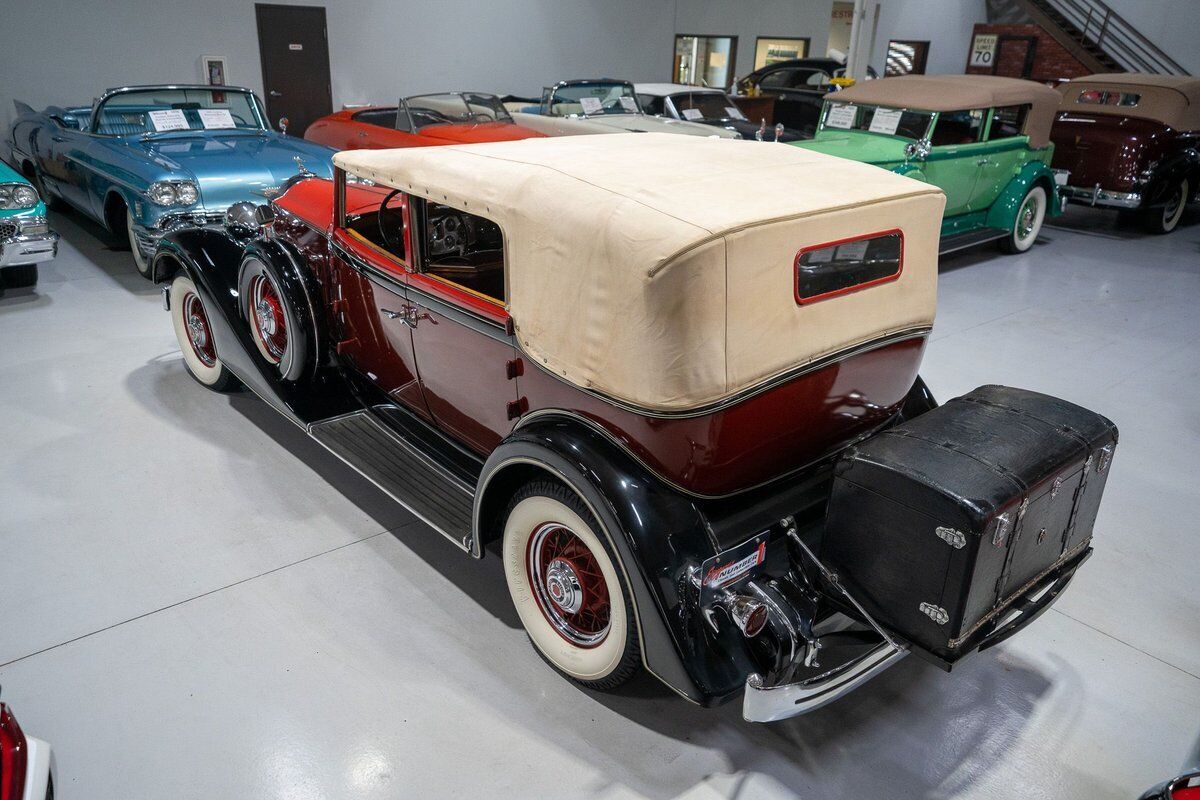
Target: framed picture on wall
{"x": 214, "y": 71}
{"x": 771, "y": 50}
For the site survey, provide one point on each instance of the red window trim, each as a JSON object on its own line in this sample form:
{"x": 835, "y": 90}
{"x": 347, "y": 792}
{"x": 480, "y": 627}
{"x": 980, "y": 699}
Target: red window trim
{"x": 858, "y": 287}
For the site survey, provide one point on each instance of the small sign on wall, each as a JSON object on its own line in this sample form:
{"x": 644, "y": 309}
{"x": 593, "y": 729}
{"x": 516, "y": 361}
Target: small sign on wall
{"x": 983, "y": 50}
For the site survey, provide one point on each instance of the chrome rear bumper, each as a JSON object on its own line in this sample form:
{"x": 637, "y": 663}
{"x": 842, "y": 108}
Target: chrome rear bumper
{"x": 1095, "y": 196}
{"x": 772, "y": 703}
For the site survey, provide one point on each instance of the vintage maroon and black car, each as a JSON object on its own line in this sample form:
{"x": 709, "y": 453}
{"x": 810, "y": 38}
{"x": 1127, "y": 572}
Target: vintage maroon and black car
{"x": 682, "y": 405}
{"x": 1131, "y": 142}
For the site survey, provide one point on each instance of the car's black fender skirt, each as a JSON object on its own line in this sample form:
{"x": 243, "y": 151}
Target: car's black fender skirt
{"x": 212, "y": 259}
{"x": 658, "y": 533}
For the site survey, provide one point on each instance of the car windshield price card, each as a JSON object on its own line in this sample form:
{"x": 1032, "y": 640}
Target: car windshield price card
{"x": 169, "y": 120}
{"x": 216, "y": 118}
{"x": 591, "y": 105}
{"x": 734, "y": 112}
{"x": 841, "y": 116}
{"x": 629, "y": 104}
{"x": 885, "y": 120}
{"x": 692, "y": 114}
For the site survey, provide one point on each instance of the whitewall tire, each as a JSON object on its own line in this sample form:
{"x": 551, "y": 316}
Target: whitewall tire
{"x": 567, "y": 587}
{"x": 1166, "y": 219}
{"x": 194, "y": 333}
{"x": 1028, "y": 222}
{"x": 143, "y": 266}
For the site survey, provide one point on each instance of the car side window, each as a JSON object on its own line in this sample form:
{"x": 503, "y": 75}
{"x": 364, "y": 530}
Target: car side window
{"x": 1007, "y": 122}
{"x": 779, "y": 79}
{"x": 385, "y": 225}
{"x": 463, "y": 249}
{"x": 957, "y": 127}
{"x": 651, "y": 104}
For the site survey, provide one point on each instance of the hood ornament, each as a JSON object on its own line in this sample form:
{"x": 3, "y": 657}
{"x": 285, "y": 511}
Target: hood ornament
{"x": 304, "y": 171}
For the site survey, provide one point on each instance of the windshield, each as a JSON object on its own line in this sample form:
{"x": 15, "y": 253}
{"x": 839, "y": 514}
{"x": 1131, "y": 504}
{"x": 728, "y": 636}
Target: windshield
{"x": 876, "y": 119}
{"x": 143, "y": 111}
{"x": 593, "y": 98}
{"x": 455, "y": 108}
{"x": 705, "y": 105}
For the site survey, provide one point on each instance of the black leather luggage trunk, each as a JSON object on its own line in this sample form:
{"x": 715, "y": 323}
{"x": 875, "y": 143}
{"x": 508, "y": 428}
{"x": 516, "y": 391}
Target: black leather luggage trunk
{"x": 942, "y": 523}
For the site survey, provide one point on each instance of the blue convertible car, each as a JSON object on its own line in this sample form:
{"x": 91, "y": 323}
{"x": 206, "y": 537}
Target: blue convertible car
{"x": 144, "y": 160}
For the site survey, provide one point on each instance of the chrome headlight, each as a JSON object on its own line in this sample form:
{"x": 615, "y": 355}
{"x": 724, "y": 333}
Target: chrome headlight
{"x": 17, "y": 195}
{"x": 172, "y": 193}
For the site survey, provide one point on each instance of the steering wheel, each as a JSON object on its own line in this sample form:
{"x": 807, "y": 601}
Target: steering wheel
{"x": 391, "y": 224}
{"x": 482, "y": 116}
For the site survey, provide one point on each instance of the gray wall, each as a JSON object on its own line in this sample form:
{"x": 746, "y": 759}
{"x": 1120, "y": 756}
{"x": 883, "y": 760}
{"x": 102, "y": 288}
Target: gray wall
{"x": 65, "y": 51}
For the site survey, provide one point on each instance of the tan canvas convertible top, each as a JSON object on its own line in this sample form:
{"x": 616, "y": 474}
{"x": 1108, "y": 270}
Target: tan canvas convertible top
{"x": 1173, "y": 100}
{"x": 959, "y": 93}
{"x": 658, "y": 270}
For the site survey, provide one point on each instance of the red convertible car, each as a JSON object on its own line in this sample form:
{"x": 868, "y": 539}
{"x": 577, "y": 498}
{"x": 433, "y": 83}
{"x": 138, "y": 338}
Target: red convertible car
{"x": 682, "y": 406}
{"x": 420, "y": 121}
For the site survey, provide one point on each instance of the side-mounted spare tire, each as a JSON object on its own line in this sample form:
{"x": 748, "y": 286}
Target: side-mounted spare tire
{"x": 278, "y": 307}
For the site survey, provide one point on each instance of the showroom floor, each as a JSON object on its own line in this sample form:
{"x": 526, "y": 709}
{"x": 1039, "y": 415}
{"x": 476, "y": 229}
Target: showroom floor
{"x": 200, "y": 602}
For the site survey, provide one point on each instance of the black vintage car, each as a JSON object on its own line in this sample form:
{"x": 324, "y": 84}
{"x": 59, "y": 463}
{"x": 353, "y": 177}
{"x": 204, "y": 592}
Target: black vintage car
{"x": 799, "y": 86}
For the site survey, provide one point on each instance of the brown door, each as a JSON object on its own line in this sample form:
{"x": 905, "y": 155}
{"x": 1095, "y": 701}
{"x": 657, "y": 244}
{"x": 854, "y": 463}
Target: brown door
{"x": 294, "y": 47}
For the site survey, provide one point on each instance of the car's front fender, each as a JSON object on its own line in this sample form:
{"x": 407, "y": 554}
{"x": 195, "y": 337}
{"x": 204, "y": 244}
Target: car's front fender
{"x": 1003, "y": 213}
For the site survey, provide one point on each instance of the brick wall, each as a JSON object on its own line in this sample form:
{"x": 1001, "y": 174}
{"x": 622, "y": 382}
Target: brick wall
{"x": 1052, "y": 63}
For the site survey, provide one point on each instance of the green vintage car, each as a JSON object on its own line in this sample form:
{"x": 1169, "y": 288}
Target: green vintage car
{"x": 984, "y": 140}
{"x": 25, "y": 237}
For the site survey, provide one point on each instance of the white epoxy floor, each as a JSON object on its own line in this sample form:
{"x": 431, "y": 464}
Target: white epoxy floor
{"x": 197, "y": 601}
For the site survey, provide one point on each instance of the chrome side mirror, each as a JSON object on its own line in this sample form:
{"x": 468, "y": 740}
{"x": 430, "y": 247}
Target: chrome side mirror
{"x": 918, "y": 150}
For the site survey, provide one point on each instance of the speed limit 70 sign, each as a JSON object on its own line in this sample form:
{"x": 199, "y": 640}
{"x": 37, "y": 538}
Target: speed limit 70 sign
{"x": 983, "y": 50}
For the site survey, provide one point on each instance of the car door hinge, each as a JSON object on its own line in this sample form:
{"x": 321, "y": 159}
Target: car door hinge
{"x": 517, "y": 407}
{"x": 514, "y": 369}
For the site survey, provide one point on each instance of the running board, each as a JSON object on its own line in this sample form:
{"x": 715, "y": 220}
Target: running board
{"x": 961, "y": 241}
{"x": 408, "y": 476}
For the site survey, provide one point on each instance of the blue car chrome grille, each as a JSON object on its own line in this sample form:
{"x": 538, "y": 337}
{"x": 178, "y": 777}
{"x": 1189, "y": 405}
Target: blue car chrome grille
{"x": 8, "y": 230}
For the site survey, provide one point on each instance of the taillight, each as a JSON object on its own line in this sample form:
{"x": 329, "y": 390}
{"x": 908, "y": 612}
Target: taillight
{"x": 13, "y": 755}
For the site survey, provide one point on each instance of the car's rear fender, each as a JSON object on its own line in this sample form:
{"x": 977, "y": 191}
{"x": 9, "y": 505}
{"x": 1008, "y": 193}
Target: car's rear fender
{"x": 655, "y": 530}
{"x": 1003, "y": 212}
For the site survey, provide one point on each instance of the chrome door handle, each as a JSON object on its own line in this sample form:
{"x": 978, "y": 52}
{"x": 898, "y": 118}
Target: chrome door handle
{"x": 274, "y": 93}
{"x": 983, "y": 162}
{"x": 362, "y": 134}
{"x": 392, "y": 314}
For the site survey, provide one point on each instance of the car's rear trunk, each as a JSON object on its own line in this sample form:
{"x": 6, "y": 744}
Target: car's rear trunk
{"x": 1102, "y": 150}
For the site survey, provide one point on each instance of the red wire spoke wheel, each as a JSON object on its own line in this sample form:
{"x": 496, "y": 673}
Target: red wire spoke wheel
{"x": 268, "y": 318}
{"x": 199, "y": 333}
{"x": 279, "y": 313}
{"x": 193, "y": 330}
{"x": 568, "y": 586}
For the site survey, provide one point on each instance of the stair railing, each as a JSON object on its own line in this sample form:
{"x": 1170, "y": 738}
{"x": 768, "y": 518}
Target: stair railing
{"x": 1098, "y": 25}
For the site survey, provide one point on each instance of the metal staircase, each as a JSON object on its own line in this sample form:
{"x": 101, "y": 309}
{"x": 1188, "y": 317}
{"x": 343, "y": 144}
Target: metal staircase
{"x": 1098, "y": 36}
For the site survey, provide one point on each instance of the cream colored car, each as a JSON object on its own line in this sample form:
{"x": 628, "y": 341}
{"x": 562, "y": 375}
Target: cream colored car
{"x": 600, "y": 106}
